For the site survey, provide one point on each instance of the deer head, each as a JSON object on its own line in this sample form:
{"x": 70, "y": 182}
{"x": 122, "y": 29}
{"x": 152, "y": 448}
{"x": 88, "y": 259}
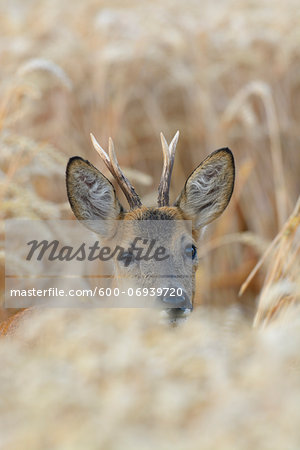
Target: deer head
{"x": 204, "y": 197}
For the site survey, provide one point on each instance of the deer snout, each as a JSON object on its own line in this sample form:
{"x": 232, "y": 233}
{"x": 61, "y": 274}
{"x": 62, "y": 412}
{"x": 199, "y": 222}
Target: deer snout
{"x": 176, "y": 301}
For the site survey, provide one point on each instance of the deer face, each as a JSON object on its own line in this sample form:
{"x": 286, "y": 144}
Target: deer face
{"x": 169, "y": 271}
{"x": 176, "y": 228}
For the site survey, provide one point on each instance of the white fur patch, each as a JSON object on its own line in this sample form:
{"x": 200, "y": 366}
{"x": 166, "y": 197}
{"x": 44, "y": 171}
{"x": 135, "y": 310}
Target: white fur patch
{"x": 207, "y": 192}
{"x": 92, "y": 198}
{"x": 94, "y": 195}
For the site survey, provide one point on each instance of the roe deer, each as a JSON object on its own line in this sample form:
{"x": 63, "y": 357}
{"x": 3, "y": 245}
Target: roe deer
{"x": 204, "y": 197}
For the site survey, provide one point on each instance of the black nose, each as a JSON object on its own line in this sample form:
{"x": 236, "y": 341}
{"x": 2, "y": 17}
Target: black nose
{"x": 180, "y": 301}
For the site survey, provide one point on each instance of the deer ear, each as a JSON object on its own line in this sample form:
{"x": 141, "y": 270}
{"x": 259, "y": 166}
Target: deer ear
{"x": 208, "y": 189}
{"x": 91, "y": 195}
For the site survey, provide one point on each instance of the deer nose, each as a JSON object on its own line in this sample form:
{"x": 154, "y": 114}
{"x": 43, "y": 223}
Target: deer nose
{"x": 180, "y": 301}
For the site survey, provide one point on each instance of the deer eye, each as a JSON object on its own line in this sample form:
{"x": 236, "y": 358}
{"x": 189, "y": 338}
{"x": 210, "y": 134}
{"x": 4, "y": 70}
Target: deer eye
{"x": 190, "y": 251}
{"x": 127, "y": 258}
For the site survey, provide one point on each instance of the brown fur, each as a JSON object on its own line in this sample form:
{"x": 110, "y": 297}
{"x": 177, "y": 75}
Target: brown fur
{"x": 92, "y": 197}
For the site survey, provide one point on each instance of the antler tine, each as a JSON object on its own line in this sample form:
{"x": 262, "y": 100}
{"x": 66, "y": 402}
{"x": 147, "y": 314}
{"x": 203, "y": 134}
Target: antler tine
{"x": 112, "y": 164}
{"x": 169, "y": 156}
{"x": 102, "y": 153}
{"x": 132, "y": 197}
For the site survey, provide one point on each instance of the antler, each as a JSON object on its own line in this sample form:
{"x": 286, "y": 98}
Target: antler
{"x": 112, "y": 164}
{"x": 169, "y": 155}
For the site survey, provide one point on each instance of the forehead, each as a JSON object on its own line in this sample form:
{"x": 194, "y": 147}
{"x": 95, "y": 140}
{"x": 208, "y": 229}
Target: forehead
{"x": 164, "y": 213}
{"x": 156, "y": 223}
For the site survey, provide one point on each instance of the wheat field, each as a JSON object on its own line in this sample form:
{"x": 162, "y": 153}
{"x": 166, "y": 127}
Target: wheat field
{"x": 224, "y": 74}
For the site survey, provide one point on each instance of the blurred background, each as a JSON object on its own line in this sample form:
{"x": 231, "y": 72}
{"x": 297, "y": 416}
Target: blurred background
{"x": 224, "y": 74}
